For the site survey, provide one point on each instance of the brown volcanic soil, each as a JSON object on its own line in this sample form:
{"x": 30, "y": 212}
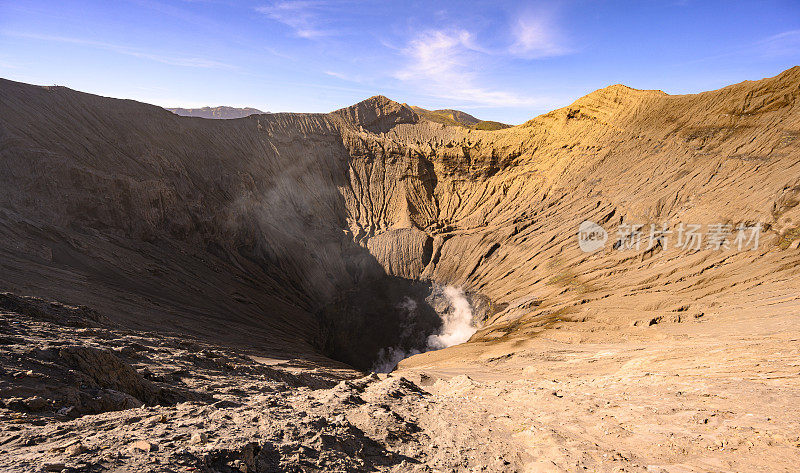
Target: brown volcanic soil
{"x": 295, "y": 236}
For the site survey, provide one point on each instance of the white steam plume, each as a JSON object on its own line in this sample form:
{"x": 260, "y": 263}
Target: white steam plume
{"x": 457, "y": 326}
{"x": 388, "y": 358}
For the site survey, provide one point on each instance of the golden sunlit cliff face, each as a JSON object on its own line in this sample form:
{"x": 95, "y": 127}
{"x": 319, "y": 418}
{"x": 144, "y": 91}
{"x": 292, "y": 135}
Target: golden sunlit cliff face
{"x": 300, "y": 234}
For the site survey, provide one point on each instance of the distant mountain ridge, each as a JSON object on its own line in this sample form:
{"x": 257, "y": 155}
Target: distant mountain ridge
{"x": 221, "y": 112}
{"x": 449, "y": 116}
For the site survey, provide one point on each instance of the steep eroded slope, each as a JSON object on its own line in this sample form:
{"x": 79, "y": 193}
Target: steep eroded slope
{"x": 303, "y": 232}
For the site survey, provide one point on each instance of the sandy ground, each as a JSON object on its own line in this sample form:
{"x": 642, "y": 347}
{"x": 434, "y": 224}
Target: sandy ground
{"x": 701, "y": 397}
{"x": 671, "y": 398}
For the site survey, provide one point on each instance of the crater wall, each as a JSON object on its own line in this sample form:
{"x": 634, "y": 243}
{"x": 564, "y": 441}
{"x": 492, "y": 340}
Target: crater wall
{"x": 298, "y": 234}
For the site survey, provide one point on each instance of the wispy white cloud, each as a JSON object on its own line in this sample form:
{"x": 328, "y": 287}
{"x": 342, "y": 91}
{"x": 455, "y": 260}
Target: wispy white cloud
{"x": 8, "y": 65}
{"x": 445, "y": 64}
{"x": 300, "y": 15}
{"x": 126, "y": 50}
{"x": 536, "y": 36}
{"x": 782, "y": 44}
{"x": 437, "y": 55}
{"x": 442, "y": 63}
{"x": 347, "y": 77}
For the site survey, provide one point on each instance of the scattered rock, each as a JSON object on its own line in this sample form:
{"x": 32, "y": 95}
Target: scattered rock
{"x": 224, "y": 404}
{"x": 144, "y": 446}
{"x": 198, "y": 438}
{"x": 105, "y": 370}
{"x": 36, "y": 403}
{"x": 75, "y": 449}
{"x": 66, "y": 411}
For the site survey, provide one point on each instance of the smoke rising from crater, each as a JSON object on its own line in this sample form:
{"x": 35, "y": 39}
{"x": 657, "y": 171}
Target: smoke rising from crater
{"x": 457, "y": 327}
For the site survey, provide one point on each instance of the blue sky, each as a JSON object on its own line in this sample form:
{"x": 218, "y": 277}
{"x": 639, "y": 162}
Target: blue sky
{"x": 505, "y": 61}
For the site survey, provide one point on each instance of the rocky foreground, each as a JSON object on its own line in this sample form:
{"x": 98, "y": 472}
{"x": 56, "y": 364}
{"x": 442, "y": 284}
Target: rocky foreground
{"x": 79, "y": 395}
